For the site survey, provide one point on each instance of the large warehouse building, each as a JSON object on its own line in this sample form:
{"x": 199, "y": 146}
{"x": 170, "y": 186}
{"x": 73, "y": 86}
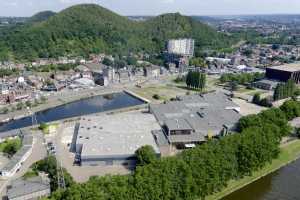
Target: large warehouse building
{"x": 101, "y": 140}
{"x": 192, "y": 119}
{"x": 284, "y": 72}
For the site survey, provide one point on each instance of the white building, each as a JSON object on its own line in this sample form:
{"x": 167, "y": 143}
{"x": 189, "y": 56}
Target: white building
{"x": 184, "y": 47}
{"x": 19, "y": 158}
{"x": 104, "y": 140}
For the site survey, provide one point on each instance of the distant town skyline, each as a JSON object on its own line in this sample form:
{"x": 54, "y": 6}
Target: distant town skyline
{"x": 155, "y": 7}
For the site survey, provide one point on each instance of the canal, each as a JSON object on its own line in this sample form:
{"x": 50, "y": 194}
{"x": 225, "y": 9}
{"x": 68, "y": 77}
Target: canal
{"x": 86, "y": 106}
{"x": 283, "y": 184}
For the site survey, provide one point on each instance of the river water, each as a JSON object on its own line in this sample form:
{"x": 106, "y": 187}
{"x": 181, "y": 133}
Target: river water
{"x": 283, "y": 184}
{"x": 78, "y": 108}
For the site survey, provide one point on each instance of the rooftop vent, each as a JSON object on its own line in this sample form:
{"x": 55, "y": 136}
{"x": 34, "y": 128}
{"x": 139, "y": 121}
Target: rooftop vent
{"x": 177, "y": 122}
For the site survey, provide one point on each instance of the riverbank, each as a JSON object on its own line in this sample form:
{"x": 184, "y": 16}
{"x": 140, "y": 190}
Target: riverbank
{"x": 59, "y": 99}
{"x": 289, "y": 153}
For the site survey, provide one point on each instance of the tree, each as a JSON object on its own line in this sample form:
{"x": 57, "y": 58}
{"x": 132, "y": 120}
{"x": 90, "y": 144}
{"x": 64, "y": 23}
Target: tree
{"x": 120, "y": 64}
{"x": 266, "y": 102}
{"x": 4, "y": 110}
{"x": 28, "y": 103}
{"x": 291, "y": 109}
{"x": 49, "y": 166}
{"x": 107, "y": 62}
{"x": 156, "y": 96}
{"x": 131, "y": 60}
{"x": 145, "y": 155}
{"x": 284, "y": 90}
{"x": 196, "y": 80}
{"x": 256, "y": 98}
{"x": 202, "y": 81}
{"x": 20, "y": 106}
{"x": 12, "y": 146}
{"x": 233, "y": 86}
{"x": 198, "y": 62}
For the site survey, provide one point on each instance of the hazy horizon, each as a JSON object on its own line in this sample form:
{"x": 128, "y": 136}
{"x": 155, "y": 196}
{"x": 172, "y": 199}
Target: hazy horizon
{"x": 26, "y": 8}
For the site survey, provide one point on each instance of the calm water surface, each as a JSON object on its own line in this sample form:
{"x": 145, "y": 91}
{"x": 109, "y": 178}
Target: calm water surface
{"x": 78, "y": 108}
{"x": 284, "y": 184}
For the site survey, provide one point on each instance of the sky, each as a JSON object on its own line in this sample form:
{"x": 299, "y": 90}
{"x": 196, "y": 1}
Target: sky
{"x": 155, "y": 7}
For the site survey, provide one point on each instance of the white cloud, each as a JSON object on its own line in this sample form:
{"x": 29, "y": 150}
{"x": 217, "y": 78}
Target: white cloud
{"x": 12, "y": 3}
{"x": 168, "y": 1}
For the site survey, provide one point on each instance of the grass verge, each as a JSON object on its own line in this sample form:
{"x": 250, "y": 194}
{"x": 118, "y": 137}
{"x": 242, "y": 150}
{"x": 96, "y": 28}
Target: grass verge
{"x": 289, "y": 153}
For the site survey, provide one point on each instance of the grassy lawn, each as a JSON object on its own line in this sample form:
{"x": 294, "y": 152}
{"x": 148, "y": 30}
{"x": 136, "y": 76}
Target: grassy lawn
{"x": 171, "y": 89}
{"x": 48, "y": 128}
{"x": 166, "y": 92}
{"x": 10, "y": 145}
{"x": 30, "y": 174}
{"x": 289, "y": 153}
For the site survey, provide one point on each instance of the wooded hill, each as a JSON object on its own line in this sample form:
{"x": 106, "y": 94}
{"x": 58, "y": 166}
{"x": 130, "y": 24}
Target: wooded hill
{"x": 89, "y": 28}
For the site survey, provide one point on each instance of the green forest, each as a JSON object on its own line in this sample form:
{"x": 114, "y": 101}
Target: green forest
{"x": 198, "y": 172}
{"x": 88, "y": 28}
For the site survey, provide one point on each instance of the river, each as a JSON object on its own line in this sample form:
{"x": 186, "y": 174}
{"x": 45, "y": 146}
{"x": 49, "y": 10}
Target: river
{"x": 283, "y": 184}
{"x": 86, "y": 106}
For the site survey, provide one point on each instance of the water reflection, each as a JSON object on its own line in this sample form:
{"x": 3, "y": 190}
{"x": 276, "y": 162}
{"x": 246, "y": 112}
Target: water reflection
{"x": 77, "y": 108}
{"x": 281, "y": 185}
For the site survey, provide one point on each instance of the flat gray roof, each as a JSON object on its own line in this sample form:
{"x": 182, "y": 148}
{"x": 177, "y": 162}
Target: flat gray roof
{"x": 117, "y": 135}
{"x": 21, "y": 187}
{"x": 294, "y": 67}
{"x": 205, "y": 114}
{"x": 178, "y": 124}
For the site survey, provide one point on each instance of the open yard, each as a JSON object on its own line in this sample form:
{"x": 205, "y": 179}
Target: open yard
{"x": 248, "y": 108}
{"x": 169, "y": 89}
{"x": 164, "y": 91}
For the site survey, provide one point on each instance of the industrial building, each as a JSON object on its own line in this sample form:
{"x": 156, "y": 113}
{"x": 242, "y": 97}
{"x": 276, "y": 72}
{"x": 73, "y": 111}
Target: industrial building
{"x": 101, "y": 140}
{"x": 193, "y": 119}
{"x": 284, "y": 72}
{"x": 31, "y": 188}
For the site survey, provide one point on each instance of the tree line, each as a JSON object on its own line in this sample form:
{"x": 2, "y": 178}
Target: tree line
{"x": 266, "y": 102}
{"x": 242, "y": 79}
{"x": 196, "y": 80}
{"x": 284, "y": 90}
{"x": 90, "y": 29}
{"x": 198, "y": 172}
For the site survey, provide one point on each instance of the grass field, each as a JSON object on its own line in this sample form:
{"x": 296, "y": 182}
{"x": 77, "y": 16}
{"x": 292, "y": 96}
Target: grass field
{"x": 170, "y": 89}
{"x": 289, "y": 153}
